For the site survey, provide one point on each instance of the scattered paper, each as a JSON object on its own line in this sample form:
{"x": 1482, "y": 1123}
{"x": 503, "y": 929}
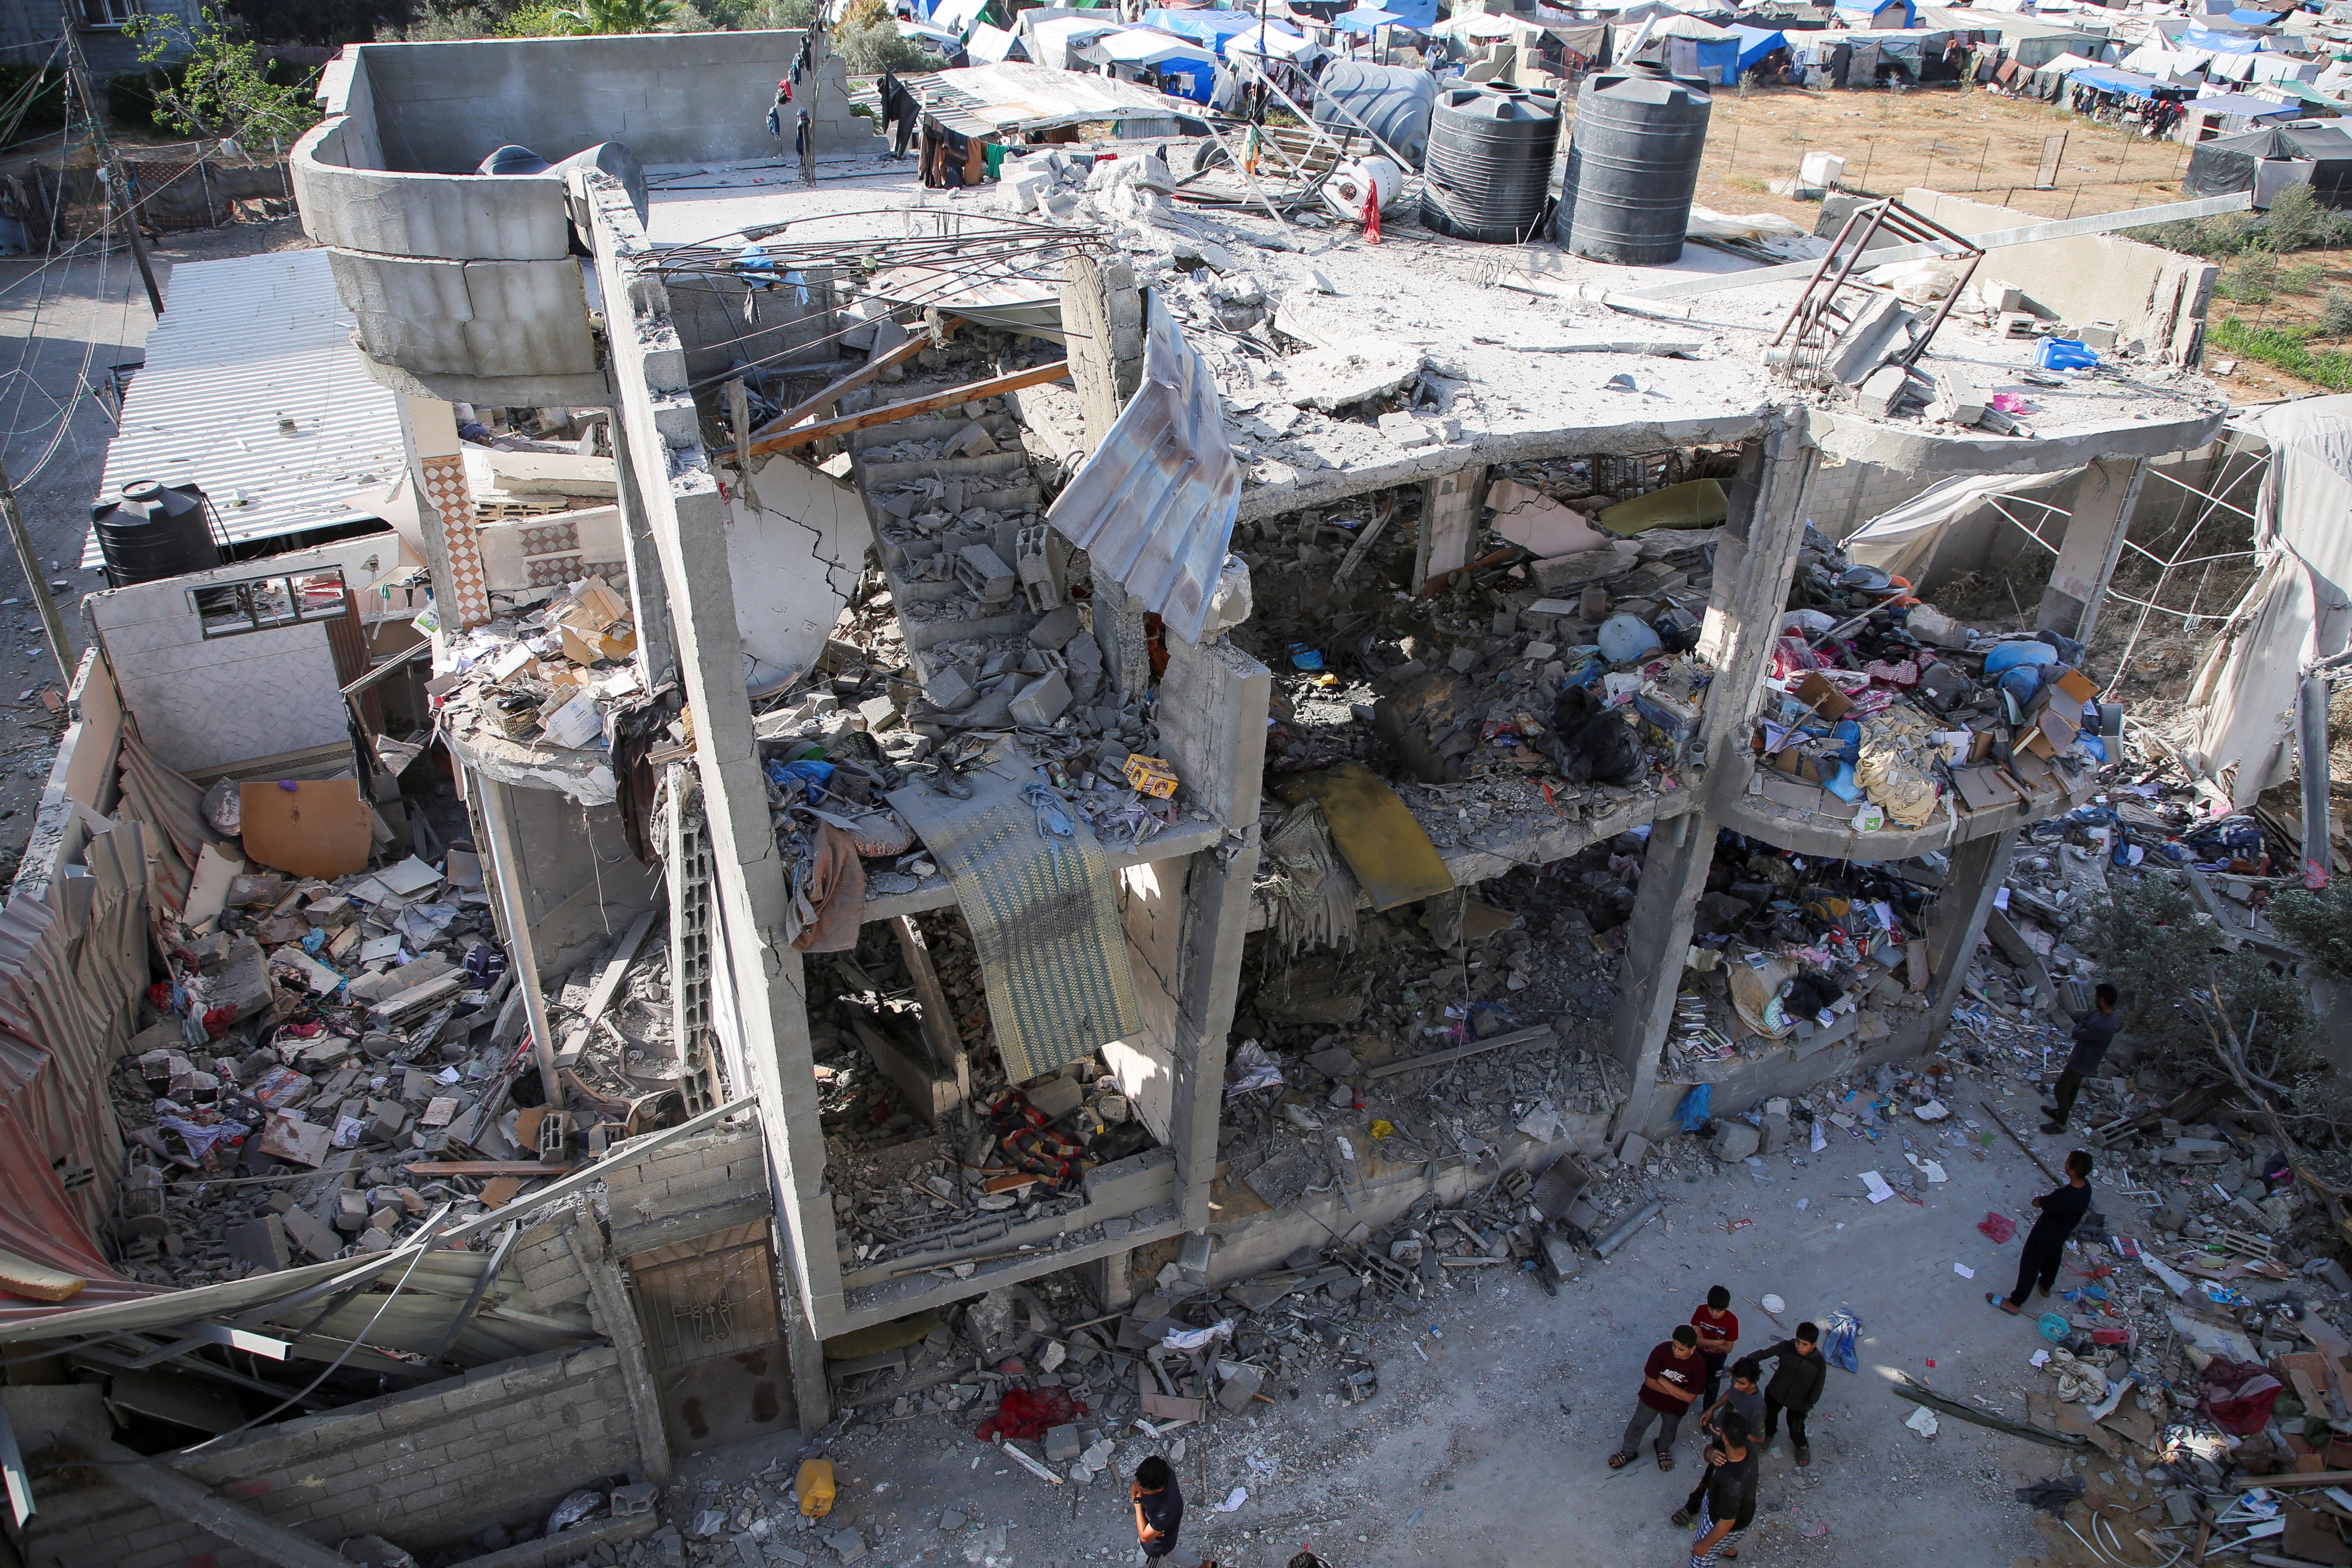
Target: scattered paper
{"x": 1821, "y": 1139}
{"x": 1934, "y": 1110}
{"x": 1879, "y": 1191}
{"x": 2041, "y": 1358}
{"x": 2176, "y": 1282}
{"x": 1922, "y": 1421}
{"x": 2000, "y": 899}
{"x": 1964, "y": 1271}
{"x": 1233, "y": 1500}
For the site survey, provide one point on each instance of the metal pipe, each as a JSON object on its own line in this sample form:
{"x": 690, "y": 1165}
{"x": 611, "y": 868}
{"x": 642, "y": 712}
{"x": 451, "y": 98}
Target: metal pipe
{"x": 1625, "y": 1232}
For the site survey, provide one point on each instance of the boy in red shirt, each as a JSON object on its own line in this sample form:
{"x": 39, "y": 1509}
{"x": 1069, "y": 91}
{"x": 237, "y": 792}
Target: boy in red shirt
{"x": 1718, "y": 1330}
{"x": 1670, "y": 1386}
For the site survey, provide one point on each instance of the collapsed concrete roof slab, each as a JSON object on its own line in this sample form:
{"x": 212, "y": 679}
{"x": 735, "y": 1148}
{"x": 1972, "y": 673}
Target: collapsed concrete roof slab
{"x": 2180, "y": 426}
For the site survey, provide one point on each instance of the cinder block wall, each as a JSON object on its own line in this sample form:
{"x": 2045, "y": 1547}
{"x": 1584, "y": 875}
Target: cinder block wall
{"x": 425, "y": 1469}
{"x": 703, "y": 1184}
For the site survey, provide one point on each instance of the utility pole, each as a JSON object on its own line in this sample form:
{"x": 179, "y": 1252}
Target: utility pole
{"x": 117, "y": 188}
{"x": 53, "y": 625}
{"x": 816, "y": 96}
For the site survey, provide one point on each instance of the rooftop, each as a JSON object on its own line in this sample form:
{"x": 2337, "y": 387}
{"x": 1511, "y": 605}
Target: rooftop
{"x": 252, "y": 390}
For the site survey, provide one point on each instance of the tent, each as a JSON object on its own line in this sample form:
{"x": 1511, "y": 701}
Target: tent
{"x": 1210, "y": 27}
{"x": 1149, "y": 46}
{"x": 1369, "y": 18}
{"x": 2106, "y": 79}
{"x": 2229, "y": 163}
{"x": 1754, "y": 43}
{"x": 2231, "y": 113}
{"x": 1271, "y": 42}
{"x": 1873, "y": 13}
{"x": 2217, "y": 43}
{"x": 989, "y": 45}
{"x": 1049, "y": 42}
{"x": 2299, "y": 606}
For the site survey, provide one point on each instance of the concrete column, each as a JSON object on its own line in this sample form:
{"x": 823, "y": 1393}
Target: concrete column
{"x": 649, "y": 601}
{"x": 1450, "y": 510}
{"x": 492, "y": 805}
{"x": 1979, "y": 868}
{"x": 428, "y": 431}
{"x": 1674, "y": 875}
{"x": 1753, "y": 564}
{"x": 612, "y": 1297}
{"x": 2105, "y": 499}
{"x": 1102, "y": 318}
{"x": 687, "y": 524}
{"x": 1213, "y": 708}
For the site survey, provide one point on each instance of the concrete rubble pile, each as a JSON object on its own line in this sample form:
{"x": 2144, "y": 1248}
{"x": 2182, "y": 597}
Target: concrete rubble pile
{"x": 1553, "y": 680}
{"x": 1798, "y": 951}
{"x": 317, "y": 1047}
{"x": 1507, "y": 998}
{"x": 548, "y": 674}
{"x": 1881, "y": 711}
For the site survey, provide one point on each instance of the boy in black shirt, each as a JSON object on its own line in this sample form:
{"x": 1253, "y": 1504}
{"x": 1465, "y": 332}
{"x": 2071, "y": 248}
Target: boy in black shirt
{"x": 1729, "y": 1506}
{"x": 1158, "y": 1507}
{"x": 2045, "y": 1244}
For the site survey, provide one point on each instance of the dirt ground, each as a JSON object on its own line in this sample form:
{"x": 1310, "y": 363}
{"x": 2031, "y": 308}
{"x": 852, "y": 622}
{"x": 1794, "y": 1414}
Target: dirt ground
{"x": 1990, "y": 148}
{"x": 1487, "y": 1446}
{"x": 64, "y": 325}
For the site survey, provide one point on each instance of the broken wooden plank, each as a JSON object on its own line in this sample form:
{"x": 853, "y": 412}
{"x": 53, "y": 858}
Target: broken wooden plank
{"x": 600, "y": 995}
{"x": 1439, "y": 1058}
{"x": 487, "y": 1168}
{"x": 1036, "y": 375}
{"x": 856, "y": 379}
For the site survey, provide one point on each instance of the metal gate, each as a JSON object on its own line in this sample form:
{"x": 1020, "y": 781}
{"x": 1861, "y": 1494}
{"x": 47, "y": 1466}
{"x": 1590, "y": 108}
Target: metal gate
{"x": 715, "y": 1337}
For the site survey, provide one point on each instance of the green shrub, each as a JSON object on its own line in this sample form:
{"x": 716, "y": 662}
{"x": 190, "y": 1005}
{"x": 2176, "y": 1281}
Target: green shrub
{"x": 2320, "y": 923}
{"x": 2303, "y": 278}
{"x": 2252, "y": 280}
{"x": 2154, "y": 944}
{"x": 2335, "y": 313}
{"x": 2285, "y": 348}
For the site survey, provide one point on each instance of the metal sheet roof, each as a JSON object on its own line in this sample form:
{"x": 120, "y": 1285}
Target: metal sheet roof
{"x": 241, "y": 342}
{"x": 1155, "y": 507}
{"x": 987, "y": 99}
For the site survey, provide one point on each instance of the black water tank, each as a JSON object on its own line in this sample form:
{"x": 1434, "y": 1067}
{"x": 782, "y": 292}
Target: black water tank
{"x": 1633, "y": 163}
{"x": 154, "y": 531}
{"x": 1391, "y": 102}
{"x": 1489, "y": 166}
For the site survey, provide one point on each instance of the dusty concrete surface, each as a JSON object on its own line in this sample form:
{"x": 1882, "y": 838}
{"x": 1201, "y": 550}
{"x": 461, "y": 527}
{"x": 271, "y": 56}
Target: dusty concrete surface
{"x": 1487, "y": 1446}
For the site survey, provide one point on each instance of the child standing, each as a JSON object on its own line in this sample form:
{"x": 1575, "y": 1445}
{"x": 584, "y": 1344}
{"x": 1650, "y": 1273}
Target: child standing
{"x": 1744, "y": 1397}
{"x": 1718, "y": 1330}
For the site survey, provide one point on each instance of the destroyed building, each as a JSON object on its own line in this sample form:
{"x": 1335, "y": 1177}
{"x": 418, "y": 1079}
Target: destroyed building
{"x": 930, "y": 671}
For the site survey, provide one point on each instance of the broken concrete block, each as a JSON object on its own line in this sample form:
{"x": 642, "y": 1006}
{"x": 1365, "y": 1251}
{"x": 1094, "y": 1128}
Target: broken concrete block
{"x": 972, "y": 441}
{"x": 1054, "y": 631}
{"x": 1733, "y": 1141}
{"x": 2332, "y": 1274}
{"x": 983, "y": 572}
{"x": 1022, "y": 192}
{"x": 1042, "y": 700}
{"x": 950, "y": 689}
{"x": 1632, "y": 1149}
{"x": 261, "y": 1243}
{"x": 1240, "y": 1386}
{"x": 1883, "y": 391}
{"x": 1406, "y": 431}
{"x": 1055, "y": 1098}
{"x": 311, "y": 1234}
{"x": 847, "y": 1544}
{"x": 1876, "y": 331}
{"x": 1062, "y": 1443}
{"x": 1193, "y": 1254}
{"x": 1775, "y": 1136}
{"x": 1559, "y": 574}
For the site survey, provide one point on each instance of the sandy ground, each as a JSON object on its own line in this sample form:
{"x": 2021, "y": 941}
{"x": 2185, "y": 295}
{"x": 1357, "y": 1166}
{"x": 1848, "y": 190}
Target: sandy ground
{"x": 64, "y": 325}
{"x": 1487, "y": 1446}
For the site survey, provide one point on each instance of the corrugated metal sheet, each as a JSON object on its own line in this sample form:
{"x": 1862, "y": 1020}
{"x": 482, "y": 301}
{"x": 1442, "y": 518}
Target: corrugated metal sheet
{"x": 982, "y": 100}
{"x": 243, "y": 342}
{"x": 1155, "y": 507}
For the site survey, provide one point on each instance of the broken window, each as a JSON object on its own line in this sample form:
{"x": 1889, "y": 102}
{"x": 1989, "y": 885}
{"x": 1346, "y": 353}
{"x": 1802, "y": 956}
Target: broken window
{"x": 232, "y": 609}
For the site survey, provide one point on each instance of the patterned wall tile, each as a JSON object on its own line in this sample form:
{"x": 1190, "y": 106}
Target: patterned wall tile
{"x": 554, "y": 570}
{"x": 445, "y": 491}
{"x": 550, "y": 539}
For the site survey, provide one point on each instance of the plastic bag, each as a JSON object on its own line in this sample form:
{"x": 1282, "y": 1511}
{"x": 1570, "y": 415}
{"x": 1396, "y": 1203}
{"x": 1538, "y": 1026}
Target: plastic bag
{"x": 1999, "y": 1227}
{"x": 1694, "y": 1111}
{"x": 1838, "y": 1335}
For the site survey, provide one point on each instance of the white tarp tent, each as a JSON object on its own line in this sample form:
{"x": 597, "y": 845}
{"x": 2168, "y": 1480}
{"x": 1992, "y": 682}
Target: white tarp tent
{"x": 2299, "y": 608}
{"x": 1907, "y": 540}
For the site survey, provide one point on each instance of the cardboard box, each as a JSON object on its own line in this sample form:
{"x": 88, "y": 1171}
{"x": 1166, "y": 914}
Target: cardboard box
{"x": 2050, "y": 733}
{"x": 1152, "y": 776}
{"x": 2074, "y": 685}
{"x": 1825, "y": 699}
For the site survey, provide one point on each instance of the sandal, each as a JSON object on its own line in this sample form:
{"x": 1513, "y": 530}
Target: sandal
{"x": 1995, "y": 1298}
{"x": 1665, "y": 1460}
{"x": 1681, "y": 1518}
{"x": 1619, "y": 1461}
